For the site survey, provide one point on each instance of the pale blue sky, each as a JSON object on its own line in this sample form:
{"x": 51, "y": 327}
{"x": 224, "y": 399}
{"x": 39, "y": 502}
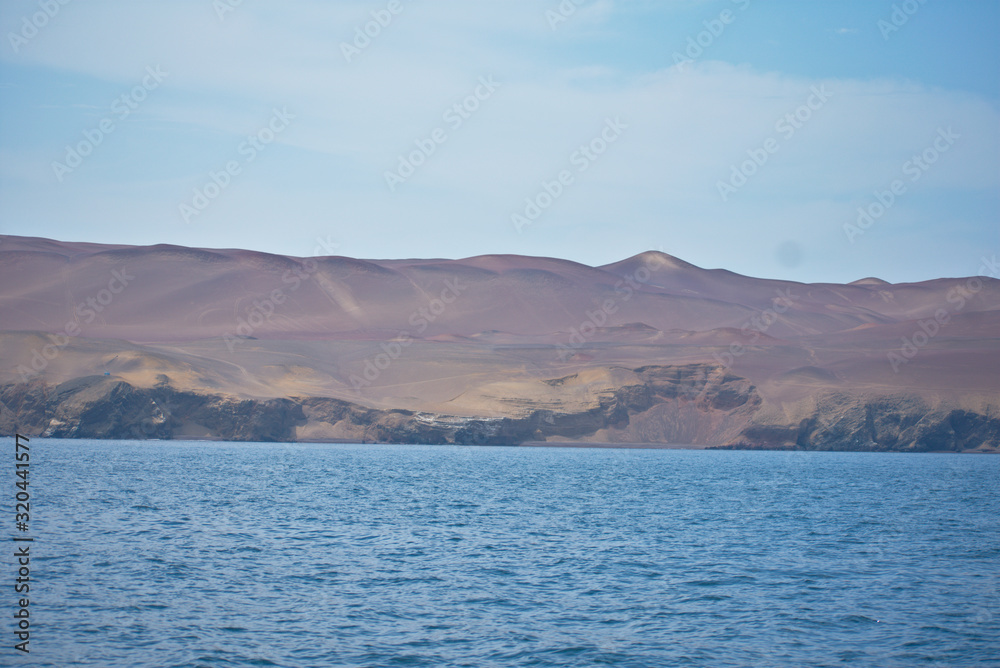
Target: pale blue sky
{"x": 320, "y": 187}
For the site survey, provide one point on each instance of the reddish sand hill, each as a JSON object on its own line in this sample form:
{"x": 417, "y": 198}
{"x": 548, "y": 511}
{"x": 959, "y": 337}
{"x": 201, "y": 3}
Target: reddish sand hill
{"x": 557, "y": 349}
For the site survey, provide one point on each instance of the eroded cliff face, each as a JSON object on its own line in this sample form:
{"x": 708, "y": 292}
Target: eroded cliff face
{"x": 883, "y": 423}
{"x": 696, "y": 404}
{"x": 689, "y": 404}
{"x": 104, "y": 407}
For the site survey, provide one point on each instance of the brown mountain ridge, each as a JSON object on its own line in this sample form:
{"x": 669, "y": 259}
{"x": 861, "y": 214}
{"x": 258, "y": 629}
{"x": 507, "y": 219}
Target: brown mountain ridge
{"x": 164, "y": 341}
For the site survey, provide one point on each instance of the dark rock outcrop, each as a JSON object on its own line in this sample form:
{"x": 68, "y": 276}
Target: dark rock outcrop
{"x": 694, "y": 403}
{"x": 898, "y": 424}
{"x": 106, "y": 408}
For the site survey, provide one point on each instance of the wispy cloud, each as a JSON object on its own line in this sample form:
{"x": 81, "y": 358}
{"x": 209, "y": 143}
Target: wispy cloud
{"x": 686, "y": 130}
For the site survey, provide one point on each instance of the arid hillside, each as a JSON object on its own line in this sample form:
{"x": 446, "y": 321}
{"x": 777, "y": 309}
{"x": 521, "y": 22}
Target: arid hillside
{"x": 173, "y": 342}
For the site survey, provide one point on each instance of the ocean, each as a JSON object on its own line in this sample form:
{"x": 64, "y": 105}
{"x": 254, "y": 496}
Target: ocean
{"x": 248, "y": 554}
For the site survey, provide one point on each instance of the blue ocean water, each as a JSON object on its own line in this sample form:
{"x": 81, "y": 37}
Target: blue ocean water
{"x": 216, "y": 554}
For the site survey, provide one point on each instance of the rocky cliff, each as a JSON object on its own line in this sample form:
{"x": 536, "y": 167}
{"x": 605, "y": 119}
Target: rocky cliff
{"x": 694, "y": 404}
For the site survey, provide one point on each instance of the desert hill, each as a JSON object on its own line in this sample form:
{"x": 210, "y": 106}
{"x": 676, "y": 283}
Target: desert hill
{"x": 97, "y": 339}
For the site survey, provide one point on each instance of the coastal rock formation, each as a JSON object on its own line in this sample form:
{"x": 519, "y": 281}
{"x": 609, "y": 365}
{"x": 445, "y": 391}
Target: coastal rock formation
{"x": 692, "y": 405}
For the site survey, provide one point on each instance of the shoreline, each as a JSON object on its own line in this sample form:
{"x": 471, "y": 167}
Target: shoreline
{"x": 609, "y": 445}
{"x": 599, "y": 445}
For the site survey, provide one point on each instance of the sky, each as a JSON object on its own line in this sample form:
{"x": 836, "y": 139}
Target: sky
{"x": 803, "y": 140}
